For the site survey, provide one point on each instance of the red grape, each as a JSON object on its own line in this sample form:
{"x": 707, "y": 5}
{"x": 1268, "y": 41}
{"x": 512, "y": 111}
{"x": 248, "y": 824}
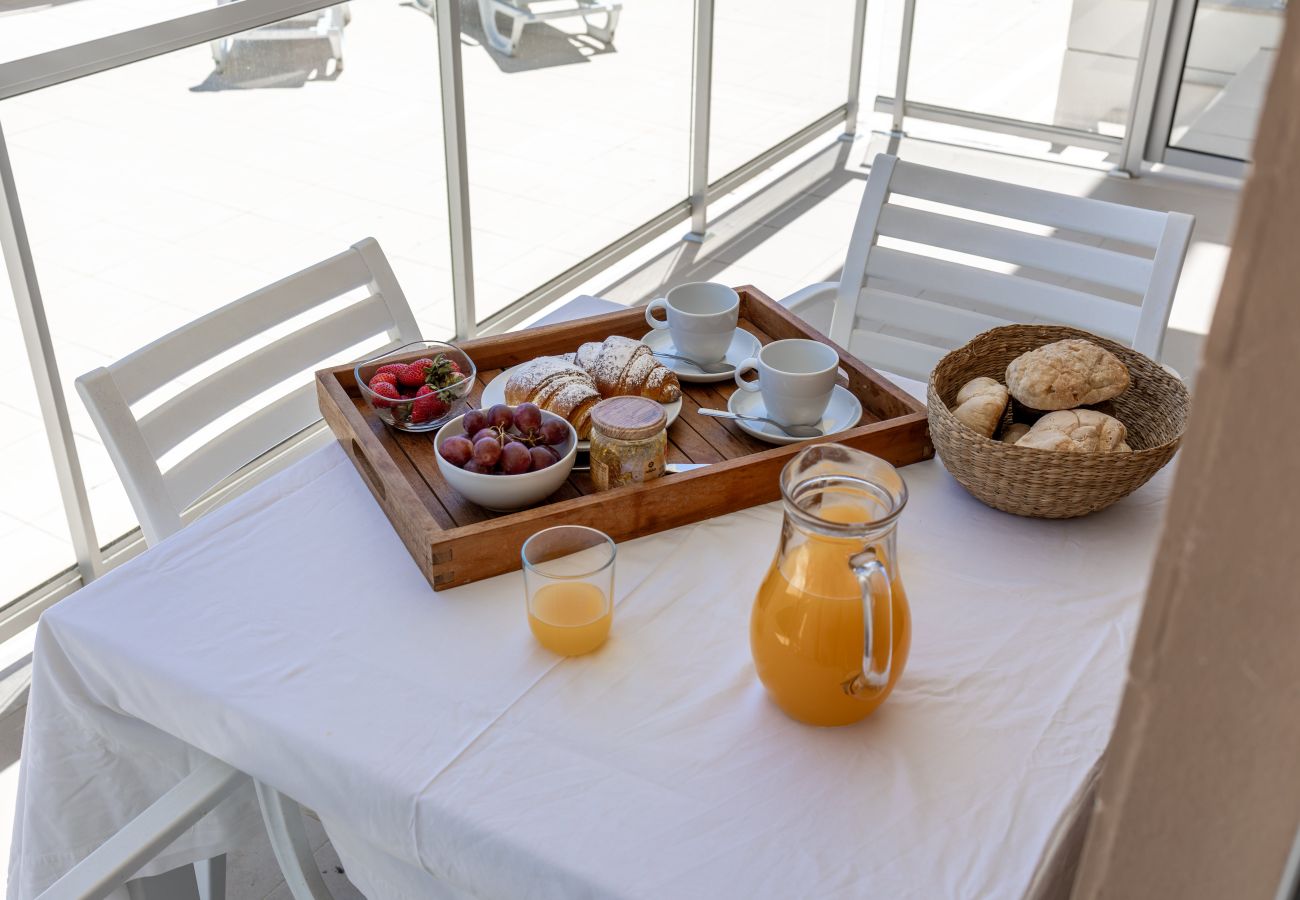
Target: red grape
{"x": 500, "y": 416}
{"x": 475, "y": 420}
{"x": 541, "y": 457}
{"x": 490, "y": 433}
{"x": 457, "y": 450}
{"x": 554, "y": 431}
{"x": 477, "y": 468}
{"x": 515, "y": 459}
{"x": 487, "y": 451}
{"x": 528, "y": 418}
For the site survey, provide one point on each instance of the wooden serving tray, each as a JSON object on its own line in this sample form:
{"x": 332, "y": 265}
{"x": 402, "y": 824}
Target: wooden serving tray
{"x": 456, "y": 542}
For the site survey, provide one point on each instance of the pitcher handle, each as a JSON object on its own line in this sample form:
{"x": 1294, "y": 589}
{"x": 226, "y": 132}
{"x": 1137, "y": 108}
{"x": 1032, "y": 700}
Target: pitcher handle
{"x": 873, "y": 580}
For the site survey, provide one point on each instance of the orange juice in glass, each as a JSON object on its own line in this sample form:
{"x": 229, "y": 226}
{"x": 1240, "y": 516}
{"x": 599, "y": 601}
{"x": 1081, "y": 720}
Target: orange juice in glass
{"x": 830, "y": 628}
{"x": 569, "y": 588}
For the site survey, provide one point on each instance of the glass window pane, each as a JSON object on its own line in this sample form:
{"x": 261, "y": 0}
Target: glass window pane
{"x": 777, "y": 67}
{"x": 1229, "y": 61}
{"x": 1069, "y": 63}
{"x": 34, "y": 541}
{"x": 572, "y": 141}
{"x": 159, "y": 191}
{"x": 29, "y": 27}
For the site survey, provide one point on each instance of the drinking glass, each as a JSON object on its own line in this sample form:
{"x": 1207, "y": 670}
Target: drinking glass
{"x": 569, "y": 588}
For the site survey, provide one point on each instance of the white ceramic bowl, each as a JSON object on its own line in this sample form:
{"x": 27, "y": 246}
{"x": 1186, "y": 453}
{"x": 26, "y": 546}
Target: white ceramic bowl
{"x": 506, "y": 492}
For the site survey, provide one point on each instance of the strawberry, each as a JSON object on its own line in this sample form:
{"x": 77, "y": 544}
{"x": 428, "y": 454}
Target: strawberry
{"x": 384, "y": 389}
{"x": 428, "y": 405}
{"x": 387, "y": 377}
{"x": 415, "y": 374}
{"x": 392, "y": 368}
{"x": 443, "y": 372}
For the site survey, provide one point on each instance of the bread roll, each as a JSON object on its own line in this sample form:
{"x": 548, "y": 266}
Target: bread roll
{"x": 558, "y": 386}
{"x": 980, "y": 404}
{"x": 1066, "y": 374}
{"x": 1014, "y": 432}
{"x": 1076, "y": 431}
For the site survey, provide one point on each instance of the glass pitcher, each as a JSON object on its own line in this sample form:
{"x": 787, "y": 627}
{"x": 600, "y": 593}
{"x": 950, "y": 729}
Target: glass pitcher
{"x": 831, "y": 629}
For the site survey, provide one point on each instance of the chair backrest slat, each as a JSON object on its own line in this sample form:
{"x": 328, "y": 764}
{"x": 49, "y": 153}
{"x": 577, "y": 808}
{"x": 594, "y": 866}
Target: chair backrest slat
{"x": 379, "y": 318}
{"x": 953, "y": 325}
{"x": 1018, "y": 299}
{"x": 899, "y": 355}
{"x": 223, "y": 329}
{"x": 981, "y": 258}
{"x": 194, "y": 407}
{"x": 1069, "y": 259}
{"x": 1130, "y": 224}
{"x": 208, "y": 466}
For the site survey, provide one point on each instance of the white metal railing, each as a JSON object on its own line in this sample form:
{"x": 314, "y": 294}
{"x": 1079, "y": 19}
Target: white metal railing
{"x": 134, "y": 45}
{"x": 77, "y": 61}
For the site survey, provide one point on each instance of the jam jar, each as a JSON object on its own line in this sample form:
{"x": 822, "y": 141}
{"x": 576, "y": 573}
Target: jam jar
{"x": 629, "y": 441}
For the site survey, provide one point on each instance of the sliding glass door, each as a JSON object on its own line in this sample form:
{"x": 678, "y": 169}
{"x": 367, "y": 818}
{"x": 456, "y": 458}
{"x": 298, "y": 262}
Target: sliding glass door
{"x": 1219, "y": 59}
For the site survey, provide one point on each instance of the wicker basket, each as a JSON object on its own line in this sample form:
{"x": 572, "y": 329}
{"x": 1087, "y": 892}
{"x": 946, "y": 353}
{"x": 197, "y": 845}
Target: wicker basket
{"x": 1043, "y": 483}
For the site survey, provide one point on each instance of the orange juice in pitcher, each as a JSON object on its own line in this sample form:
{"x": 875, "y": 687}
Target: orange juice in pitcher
{"x": 831, "y": 629}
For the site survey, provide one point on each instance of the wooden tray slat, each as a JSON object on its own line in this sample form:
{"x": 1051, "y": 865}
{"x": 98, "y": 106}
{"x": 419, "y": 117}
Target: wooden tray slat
{"x": 455, "y": 541}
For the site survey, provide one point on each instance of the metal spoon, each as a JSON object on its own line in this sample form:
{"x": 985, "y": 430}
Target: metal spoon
{"x": 707, "y": 368}
{"x": 799, "y": 431}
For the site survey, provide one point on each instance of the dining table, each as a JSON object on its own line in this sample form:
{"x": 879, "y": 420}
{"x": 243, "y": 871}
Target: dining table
{"x": 289, "y": 634}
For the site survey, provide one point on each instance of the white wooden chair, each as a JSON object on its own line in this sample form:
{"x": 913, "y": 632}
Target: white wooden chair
{"x": 160, "y": 498}
{"x": 920, "y": 280}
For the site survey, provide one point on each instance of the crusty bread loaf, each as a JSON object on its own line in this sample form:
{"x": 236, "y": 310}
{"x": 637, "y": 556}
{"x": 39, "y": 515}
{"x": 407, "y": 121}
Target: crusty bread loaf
{"x": 558, "y": 386}
{"x": 1066, "y": 374}
{"x": 1077, "y": 431}
{"x": 623, "y": 367}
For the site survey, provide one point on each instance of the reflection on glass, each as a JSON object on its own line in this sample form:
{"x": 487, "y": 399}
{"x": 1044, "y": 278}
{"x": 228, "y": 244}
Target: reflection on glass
{"x": 1229, "y": 60}
{"x": 158, "y": 191}
{"x": 1069, "y": 63}
{"x": 777, "y": 67}
{"x": 572, "y": 141}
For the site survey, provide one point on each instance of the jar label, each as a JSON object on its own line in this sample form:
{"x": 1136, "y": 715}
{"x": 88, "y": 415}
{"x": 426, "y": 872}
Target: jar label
{"x": 610, "y": 471}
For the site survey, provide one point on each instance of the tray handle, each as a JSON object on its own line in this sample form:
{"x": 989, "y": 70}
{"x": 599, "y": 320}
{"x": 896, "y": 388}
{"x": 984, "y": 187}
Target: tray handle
{"x": 367, "y": 470}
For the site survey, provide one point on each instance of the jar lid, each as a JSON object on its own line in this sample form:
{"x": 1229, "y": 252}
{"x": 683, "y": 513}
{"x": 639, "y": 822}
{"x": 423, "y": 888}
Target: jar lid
{"x": 628, "y": 418}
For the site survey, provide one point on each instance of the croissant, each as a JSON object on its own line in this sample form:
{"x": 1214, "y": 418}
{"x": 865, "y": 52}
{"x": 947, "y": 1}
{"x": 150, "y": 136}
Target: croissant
{"x": 625, "y": 367}
{"x": 558, "y": 386}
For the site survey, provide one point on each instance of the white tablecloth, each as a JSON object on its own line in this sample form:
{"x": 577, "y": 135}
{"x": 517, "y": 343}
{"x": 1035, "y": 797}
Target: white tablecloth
{"x": 290, "y": 634}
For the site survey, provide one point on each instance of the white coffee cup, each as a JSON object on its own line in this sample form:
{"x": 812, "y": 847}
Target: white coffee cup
{"x": 796, "y": 378}
{"x": 701, "y": 317}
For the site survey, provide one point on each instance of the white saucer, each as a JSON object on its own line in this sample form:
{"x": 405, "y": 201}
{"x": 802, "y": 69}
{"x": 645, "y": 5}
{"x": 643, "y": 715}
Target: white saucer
{"x": 494, "y": 392}
{"x": 743, "y": 346}
{"x": 842, "y": 413}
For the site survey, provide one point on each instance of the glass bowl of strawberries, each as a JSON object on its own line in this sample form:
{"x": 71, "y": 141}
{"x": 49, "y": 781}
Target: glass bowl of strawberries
{"x": 418, "y": 387}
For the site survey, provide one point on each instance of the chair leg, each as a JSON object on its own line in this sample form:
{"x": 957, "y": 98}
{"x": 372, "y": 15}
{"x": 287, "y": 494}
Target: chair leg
{"x": 103, "y": 872}
{"x": 178, "y": 884}
{"x": 604, "y": 35}
{"x": 336, "y": 48}
{"x": 211, "y": 877}
{"x": 496, "y": 40}
{"x": 288, "y": 834}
